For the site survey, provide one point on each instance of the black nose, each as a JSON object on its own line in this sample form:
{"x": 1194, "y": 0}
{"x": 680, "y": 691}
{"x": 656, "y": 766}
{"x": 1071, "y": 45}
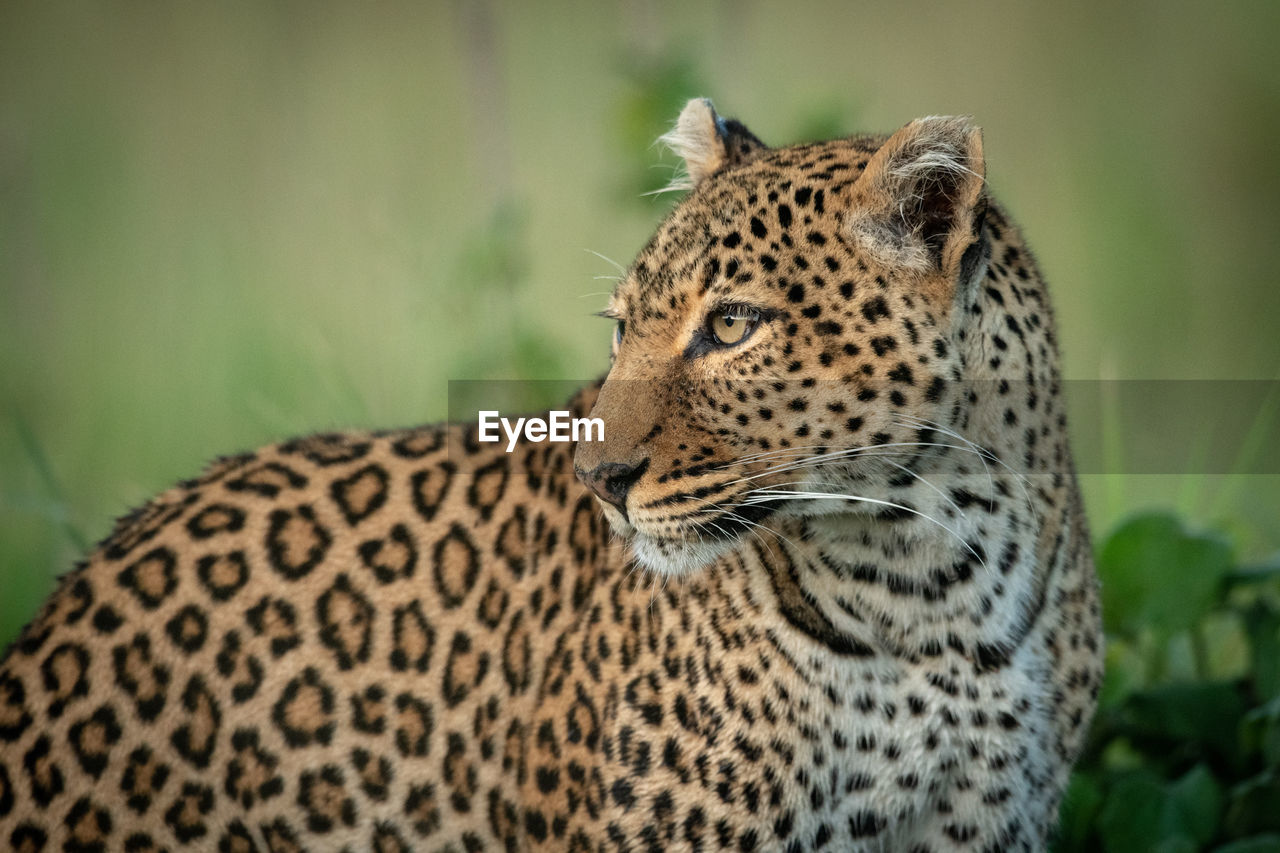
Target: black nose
{"x": 612, "y": 480}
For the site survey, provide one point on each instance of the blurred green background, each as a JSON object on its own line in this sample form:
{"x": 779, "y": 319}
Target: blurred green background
{"x": 226, "y": 223}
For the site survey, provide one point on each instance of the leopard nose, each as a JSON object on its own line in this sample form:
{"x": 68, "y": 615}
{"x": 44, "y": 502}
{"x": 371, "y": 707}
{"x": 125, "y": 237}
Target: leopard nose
{"x": 612, "y": 480}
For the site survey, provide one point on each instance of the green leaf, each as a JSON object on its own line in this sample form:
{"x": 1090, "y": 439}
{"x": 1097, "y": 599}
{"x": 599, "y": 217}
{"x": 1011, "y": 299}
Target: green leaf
{"x": 1195, "y": 802}
{"x": 1269, "y": 843}
{"x": 1176, "y": 844}
{"x": 1123, "y": 675}
{"x": 1155, "y": 573}
{"x": 1189, "y": 716}
{"x": 1080, "y": 805}
{"x": 1264, "y": 572}
{"x": 1227, "y": 646}
{"x": 1142, "y": 812}
{"x": 1260, "y": 733}
{"x": 1254, "y": 806}
{"x": 1262, "y": 623}
{"x": 1130, "y": 819}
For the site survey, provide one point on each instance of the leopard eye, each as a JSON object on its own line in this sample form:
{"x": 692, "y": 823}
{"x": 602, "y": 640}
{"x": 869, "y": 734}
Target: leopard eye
{"x": 618, "y": 331}
{"x": 732, "y": 325}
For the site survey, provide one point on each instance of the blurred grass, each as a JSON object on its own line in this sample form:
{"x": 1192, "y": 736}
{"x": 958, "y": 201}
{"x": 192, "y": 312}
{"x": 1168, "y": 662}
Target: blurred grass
{"x": 222, "y": 224}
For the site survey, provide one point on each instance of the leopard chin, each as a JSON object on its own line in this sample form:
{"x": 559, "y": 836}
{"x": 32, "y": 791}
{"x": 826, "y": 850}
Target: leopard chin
{"x": 664, "y": 555}
{"x": 677, "y": 557}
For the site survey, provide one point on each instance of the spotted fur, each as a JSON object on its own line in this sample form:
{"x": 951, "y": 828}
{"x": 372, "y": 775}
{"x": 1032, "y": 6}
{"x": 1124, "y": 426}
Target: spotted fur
{"x": 852, "y": 606}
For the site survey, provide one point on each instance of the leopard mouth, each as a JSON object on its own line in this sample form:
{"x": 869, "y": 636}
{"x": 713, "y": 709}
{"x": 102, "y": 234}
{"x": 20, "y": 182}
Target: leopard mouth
{"x": 681, "y": 545}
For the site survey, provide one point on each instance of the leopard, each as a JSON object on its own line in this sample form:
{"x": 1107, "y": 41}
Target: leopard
{"x": 824, "y": 581}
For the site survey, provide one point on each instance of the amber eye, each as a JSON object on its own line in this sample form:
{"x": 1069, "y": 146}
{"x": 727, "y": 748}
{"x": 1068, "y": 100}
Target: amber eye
{"x": 732, "y": 325}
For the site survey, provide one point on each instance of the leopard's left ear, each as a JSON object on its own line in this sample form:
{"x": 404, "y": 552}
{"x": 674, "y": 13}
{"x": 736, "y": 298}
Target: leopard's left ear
{"x": 921, "y": 199}
{"x": 707, "y": 143}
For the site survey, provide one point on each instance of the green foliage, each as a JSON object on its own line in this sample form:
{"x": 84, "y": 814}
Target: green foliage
{"x": 1184, "y": 752}
{"x": 657, "y": 89}
{"x": 1160, "y": 576}
{"x": 493, "y": 268}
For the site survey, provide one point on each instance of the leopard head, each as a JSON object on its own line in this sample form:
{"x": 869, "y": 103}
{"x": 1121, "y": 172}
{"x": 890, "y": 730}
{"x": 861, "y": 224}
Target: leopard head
{"x": 790, "y": 330}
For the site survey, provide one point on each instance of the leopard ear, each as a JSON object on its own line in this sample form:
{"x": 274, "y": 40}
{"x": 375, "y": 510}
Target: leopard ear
{"x": 920, "y": 201}
{"x": 706, "y": 142}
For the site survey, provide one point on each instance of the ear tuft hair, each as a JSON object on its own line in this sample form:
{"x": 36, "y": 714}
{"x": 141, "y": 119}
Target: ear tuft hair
{"x": 922, "y": 195}
{"x": 706, "y": 143}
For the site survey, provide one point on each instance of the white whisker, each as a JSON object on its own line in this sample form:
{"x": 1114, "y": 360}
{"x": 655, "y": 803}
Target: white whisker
{"x": 984, "y": 454}
{"x": 743, "y": 520}
{"x": 772, "y": 493}
{"x": 942, "y": 494}
{"x": 851, "y": 452}
{"x": 608, "y": 260}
